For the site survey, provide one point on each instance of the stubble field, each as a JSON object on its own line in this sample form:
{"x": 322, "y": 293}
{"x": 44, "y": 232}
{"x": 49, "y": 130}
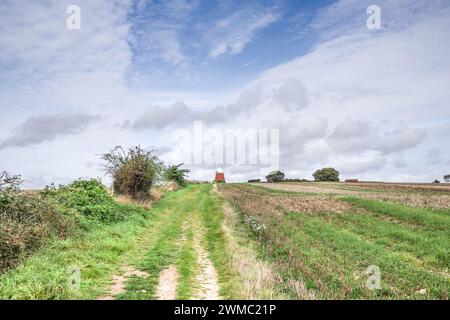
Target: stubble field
{"x": 326, "y": 239}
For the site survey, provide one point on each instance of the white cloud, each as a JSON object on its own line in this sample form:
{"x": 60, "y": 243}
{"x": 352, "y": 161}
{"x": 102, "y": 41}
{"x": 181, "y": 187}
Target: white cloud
{"x": 236, "y": 31}
{"x": 400, "y": 162}
{"x": 353, "y": 136}
{"x": 434, "y": 157}
{"x": 37, "y": 43}
{"x": 359, "y": 99}
{"x": 160, "y": 117}
{"x": 292, "y": 95}
{"x": 400, "y": 139}
{"x": 362, "y": 166}
{"x": 41, "y": 128}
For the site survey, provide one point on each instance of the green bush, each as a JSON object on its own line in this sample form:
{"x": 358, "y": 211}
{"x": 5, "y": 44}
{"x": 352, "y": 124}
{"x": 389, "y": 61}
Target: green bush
{"x": 89, "y": 199}
{"x": 27, "y": 220}
{"x": 174, "y": 173}
{"x": 133, "y": 171}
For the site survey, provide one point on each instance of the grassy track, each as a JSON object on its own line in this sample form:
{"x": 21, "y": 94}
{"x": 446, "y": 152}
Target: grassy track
{"x": 148, "y": 241}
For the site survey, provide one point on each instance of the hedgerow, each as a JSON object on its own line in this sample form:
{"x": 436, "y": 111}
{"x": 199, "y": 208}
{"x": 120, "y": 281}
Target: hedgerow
{"x": 89, "y": 199}
{"x": 27, "y": 220}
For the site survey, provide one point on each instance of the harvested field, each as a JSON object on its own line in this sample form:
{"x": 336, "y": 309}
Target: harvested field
{"x": 421, "y": 196}
{"x": 324, "y": 244}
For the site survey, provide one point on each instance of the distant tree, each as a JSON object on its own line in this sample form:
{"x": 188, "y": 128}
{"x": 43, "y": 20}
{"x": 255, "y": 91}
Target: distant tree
{"x": 174, "y": 173}
{"x": 436, "y": 181}
{"x": 326, "y": 174}
{"x": 9, "y": 182}
{"x": 275, "y": 176}
{"x": 134, "y": 171}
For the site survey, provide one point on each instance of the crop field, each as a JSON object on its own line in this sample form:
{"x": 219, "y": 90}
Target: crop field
{"x": 323, "y": 237}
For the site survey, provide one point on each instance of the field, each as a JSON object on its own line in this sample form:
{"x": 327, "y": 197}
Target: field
{"x": 324, "y": 237}
{"x": 252, "y": 241}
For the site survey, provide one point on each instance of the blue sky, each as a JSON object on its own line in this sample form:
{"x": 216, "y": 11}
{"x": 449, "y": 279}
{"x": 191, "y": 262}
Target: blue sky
{"x": 256, "y": 35}
{"x": 372, "y": 103}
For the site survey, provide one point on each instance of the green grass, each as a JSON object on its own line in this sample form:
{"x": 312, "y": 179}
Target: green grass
{"x": 212, "y": 218}
{"x": 336, "y": 253}
{"x": 186, "y": 266}
{"x": 163, "y": 246}
{"x": 423, "y": 217}
{"x": 329, "y": 252}
{"x": 97, "y": 253}
{"x": 196, "y": 211}
{"x": 149, "y": 240}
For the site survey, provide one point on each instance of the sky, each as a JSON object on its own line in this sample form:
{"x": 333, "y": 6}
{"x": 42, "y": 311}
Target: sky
{"x": 372, "y": 103}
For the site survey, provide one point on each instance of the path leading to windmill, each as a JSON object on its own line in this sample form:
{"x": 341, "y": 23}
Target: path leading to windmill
{"x": 171, "y": 260}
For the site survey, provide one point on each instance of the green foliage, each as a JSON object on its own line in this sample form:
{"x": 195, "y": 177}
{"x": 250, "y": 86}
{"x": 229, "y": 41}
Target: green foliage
{"x": 99, "y": 252}
{"x": 275, "y": 176}
{"x": 29, "y": 220}
{"x": 133, "y": 171}
{"x": 326, "y": 174}
{"x": 89, "y": 199}
{"x": 26, "y": 222}
{"x": 174, "y": 173}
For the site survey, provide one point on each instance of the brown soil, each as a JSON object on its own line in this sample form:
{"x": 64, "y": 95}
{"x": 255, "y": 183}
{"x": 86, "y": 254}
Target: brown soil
{"x": 304, "y": 188}
{"x": 207, "y": 277}
{"x": 167, "y": 286}
{"x": 118, "y": 284}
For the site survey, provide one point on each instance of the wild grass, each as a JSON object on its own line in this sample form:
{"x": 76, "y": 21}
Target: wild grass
{"x": 97, "y": 253}
{"x": 186, "y": 266}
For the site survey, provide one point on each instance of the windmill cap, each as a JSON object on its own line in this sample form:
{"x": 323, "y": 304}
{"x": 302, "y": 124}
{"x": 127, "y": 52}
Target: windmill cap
{"x": 219, "y": 170}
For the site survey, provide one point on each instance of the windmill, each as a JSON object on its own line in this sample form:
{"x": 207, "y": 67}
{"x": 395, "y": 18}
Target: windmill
{"x": 220, "y": 176}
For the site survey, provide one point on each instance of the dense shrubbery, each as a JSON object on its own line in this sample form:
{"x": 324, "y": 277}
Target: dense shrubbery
{"x": 27, "y": 220}
{"x": 133, "y": 171}
{"x": 136, "y": 171}
{"x": 89, "y": 199}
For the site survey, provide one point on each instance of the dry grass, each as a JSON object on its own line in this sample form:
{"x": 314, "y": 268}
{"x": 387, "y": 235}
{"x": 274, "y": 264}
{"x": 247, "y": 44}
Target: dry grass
{"x": 419, "y": 196}
{"x": 258, "y": 280}
{"x": 414, "y": 200}
{"x": 128, "y": 201}
{"x": 256, "y": 277}
{"x": 275, "y": 204}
